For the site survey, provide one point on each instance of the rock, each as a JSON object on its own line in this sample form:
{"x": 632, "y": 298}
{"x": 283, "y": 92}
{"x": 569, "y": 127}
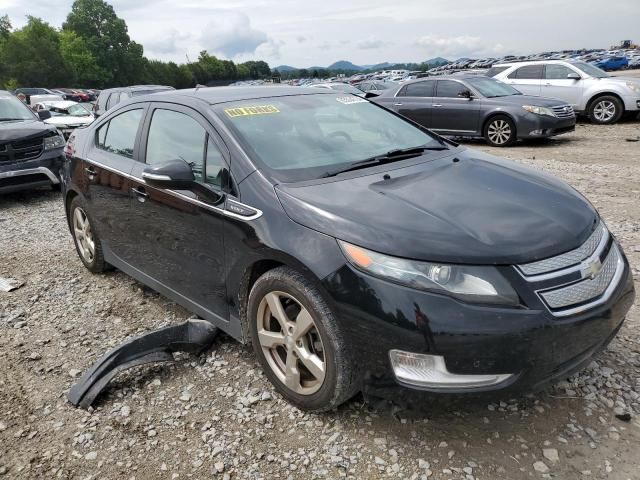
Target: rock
{"x": 125, "y": 411}
{"x": 540, "y": 467}
{"x": 379, "y": 461}
{"x": 423, "y": 464}
{"x": 91, "y": 456}
{"x": 74, "y": 372}
{"x": 219, "y": 467}
{"x": 550, "y": 454}
{"x": 185, "y": 397}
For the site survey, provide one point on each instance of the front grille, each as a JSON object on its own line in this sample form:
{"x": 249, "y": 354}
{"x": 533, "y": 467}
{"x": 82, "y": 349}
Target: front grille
{"x": 563, "y": 111}
{"x": 574, "y": 257}
{"x": 587, "y": 289}
{"x": 21, "y": 150}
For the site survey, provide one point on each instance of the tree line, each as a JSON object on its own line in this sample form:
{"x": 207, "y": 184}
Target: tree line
{"x": 327, "y": 73}
{"x": 93, "y": 50}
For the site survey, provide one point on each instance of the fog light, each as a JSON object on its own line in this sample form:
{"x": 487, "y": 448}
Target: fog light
{"x": 430, "y": 371}
{"x": 535, "y": 132}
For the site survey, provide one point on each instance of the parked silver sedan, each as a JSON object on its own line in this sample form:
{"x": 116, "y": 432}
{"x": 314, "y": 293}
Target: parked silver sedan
{"x": 477, "y": 106}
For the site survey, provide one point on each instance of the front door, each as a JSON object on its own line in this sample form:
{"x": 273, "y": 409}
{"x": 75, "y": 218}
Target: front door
{"x": 557, "y": 85}
{"x": 451, "y": 113}
{"x": 108, "y": 162}
{"x": 180, "y": 236}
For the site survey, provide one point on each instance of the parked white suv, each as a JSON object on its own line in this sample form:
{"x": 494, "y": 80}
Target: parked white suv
{"x": 588, "y": 89}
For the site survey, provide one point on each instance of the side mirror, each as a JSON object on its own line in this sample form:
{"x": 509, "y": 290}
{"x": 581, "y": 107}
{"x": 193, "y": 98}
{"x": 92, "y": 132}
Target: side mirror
{"x": 44, "y": 114}
{"x": 466, "y": 94}
{"x": 172, "y": 174}
{"x": 370, "y": 94}
{"x": 573, "y": 76}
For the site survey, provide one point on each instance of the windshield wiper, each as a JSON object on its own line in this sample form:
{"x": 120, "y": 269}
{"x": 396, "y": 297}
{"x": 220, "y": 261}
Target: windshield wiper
{"x": 390, "y": 156}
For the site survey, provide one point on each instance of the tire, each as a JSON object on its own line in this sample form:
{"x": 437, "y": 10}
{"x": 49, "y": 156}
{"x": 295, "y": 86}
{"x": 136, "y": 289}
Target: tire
{"x": 500, "y": 131}
{"x": 605, "y": 110}
{"x": 330, "y": 378}
{"x": 84, "y": 235}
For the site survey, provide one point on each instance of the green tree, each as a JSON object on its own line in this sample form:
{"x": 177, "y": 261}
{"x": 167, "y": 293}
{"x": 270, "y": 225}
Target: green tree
{"x": 79, "y": 60}
{"x": 31, "y": 56}
{"x": 5, "y": 27}
{"x": 106, "y": 37}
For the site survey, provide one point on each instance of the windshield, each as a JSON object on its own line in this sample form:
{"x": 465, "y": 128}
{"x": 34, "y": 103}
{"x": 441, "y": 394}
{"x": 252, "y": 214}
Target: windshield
{"x": 343, "y": 87}
{"x": 13, "y": 109}
{"x": 303, "y": 137}
{"x": 490, "y": 88}
{"x": 590, "y": 70}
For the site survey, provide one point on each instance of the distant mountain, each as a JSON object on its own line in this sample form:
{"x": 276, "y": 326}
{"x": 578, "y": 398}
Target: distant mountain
{"x": 285, "y": 68}
{"x": 437, "y": 61}
{"x": 378, "y": 66}
{"x": 344, "y": 65}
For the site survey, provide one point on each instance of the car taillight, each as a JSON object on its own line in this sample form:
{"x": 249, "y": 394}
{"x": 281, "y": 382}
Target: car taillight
{"x": 69, "y": 148}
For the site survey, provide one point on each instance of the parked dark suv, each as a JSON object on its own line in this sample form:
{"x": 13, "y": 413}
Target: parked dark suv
{"x": 30, "y": 150}
{"x": 349, "y": 246}
{"x": 111, "y": 97}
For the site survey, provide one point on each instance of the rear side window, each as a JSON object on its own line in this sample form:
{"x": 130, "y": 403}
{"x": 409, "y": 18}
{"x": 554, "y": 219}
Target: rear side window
{"x": 493, "y": 71}
{"x": 118, "y": 135}
{"x": 532, "y": 72}
{"x": 556, "y": 72}
{"x": 449, "y": 88}
{"x": 419, "y": 89}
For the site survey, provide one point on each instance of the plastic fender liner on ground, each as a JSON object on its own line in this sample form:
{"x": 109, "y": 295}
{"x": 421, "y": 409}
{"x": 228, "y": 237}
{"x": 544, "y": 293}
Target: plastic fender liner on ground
{"x": 193, "y": 336}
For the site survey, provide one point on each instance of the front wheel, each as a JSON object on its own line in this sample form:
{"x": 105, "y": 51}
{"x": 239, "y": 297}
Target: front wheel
{"x": 605, "y": 110}
{"x": 298, "y": 342}
{"x": 500, "y": 131}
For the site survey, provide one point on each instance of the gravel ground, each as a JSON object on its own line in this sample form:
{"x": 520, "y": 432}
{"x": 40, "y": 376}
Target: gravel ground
{"x": 217, "y": 416}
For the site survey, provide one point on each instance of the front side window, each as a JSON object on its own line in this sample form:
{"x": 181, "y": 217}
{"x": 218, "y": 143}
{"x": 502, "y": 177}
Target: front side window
{"x": 490, "y": 88}
{"x": 174, "y": 135}
{"x": 302, "y": 137}
{"x": 557, "y": 72}
{"x": 118, "y": 135}
{"x": 449, "y": 89}
{"x": 215, "y": 164}
{"x": 493, "y": 71}
{"x": 419, "y": 89}
{"x": 528, "y": 72}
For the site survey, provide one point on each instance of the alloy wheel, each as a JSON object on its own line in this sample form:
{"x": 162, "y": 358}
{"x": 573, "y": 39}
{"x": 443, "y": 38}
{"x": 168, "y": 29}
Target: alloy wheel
{"x": 499, "y": 132}
{"x": 604, "y": 111}
{"x": 291, "y": 343}
{"x": 83, "y": 234}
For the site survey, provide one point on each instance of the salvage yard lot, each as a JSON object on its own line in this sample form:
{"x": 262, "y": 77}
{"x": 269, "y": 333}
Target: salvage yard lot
{"x": 217, "y": 415}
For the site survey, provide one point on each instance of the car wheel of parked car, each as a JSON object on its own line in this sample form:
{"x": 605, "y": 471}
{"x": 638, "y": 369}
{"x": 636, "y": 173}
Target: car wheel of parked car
{"x": 605, "y": 110}
{"x": 500, "y": 131}
{"x": 298, "y": 342}
{"x": 85, "y": 237}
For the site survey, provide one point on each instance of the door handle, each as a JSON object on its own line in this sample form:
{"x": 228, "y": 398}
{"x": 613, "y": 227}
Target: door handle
{"x": 436, "y": 105}
{"x": 398, "y": 104}
{"x": 91, "y": 173}
{"x": 140, "y": 193}
{"x": 548, "y": 84}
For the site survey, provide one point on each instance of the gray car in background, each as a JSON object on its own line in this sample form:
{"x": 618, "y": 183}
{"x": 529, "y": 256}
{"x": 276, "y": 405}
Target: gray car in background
{"x": 477, "y": 106}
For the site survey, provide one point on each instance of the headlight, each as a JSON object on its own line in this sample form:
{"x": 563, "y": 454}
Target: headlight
{"x": 634, "y": 86}
{"x": 470, "y": 283}
{"x": 539, "y": 110}
{"x": 57, "y": 141}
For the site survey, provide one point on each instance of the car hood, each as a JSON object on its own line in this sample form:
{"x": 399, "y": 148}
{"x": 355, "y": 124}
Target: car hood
{"x": 479, "y": 210}
{"x": 527, "y": 100}
{"x": 24, "y": 130}
{"x": 61, "y": 120}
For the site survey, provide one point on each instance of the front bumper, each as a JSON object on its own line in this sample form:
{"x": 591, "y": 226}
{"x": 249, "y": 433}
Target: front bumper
{"x": 631, "y": 102}
{"x": 529, "y": 343}
{"x": 22, "y": 175}
{"x": 543, "y": 126}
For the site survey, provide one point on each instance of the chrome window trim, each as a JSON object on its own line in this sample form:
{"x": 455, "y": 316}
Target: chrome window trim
{"x": 606, "y": 295}
{"x": 186, "y": 198}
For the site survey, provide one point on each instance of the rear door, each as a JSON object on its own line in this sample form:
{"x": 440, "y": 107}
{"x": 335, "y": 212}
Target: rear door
{"x": 557, "y": 85}
{"x": 452, "y": 113}
{"x": 107, "y": 165}
{"x": 527, "y": 79}
{"x": 179, "y": 238}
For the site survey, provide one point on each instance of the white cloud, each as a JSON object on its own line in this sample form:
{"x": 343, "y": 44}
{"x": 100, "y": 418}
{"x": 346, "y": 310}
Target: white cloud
{"x": 231, "y": 34}
{"x": 370, "y": 42}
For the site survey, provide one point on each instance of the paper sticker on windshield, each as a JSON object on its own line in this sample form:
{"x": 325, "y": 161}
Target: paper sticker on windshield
{"x": 252, "y": 110}
{"x": 351, "y": 99}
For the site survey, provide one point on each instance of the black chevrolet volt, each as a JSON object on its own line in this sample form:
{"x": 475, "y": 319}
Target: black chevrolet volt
{"x": 351, "y": 247}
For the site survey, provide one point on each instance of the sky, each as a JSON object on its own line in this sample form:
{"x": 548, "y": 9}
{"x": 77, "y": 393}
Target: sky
{"x": 305, "y": 33}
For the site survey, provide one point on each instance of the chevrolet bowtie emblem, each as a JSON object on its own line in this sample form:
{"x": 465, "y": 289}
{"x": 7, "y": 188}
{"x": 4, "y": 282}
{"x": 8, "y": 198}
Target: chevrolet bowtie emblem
{"x": 592, "y": 269}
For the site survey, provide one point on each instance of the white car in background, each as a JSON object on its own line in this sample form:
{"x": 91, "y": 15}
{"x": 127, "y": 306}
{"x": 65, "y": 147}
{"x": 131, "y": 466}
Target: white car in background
{"x": 65, "y": 115}
{"x": 589, "y": 90}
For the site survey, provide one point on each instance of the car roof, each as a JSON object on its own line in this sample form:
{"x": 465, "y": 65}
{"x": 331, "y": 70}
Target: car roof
{"x": 535, "y": 62}
{"x": 215, "y": 95}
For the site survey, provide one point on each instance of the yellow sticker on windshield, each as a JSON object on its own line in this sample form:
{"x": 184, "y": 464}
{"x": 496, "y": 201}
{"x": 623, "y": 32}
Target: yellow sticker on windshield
{"x": 253, "y": 110}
